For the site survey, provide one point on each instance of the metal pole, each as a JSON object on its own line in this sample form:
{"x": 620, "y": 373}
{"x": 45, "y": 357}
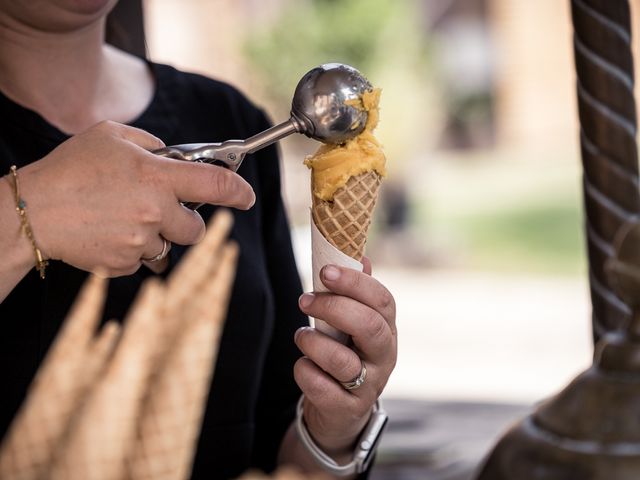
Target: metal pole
{"x": 604, "y": 66}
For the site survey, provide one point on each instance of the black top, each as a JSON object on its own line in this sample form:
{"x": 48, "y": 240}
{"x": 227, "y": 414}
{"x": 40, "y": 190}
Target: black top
{"x": 253, "y": 393}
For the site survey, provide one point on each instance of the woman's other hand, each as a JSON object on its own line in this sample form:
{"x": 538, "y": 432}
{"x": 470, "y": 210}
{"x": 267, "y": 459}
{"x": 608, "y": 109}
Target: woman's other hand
{"x": 102, "y": 201}
{"x": 362, "y": 307}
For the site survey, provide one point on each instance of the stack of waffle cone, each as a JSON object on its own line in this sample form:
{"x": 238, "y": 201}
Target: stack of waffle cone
{"x": 345, "y": 220}
{"x": 68, "y": 372}
{"x": 129, "y": 404}
{"x": 170, "y": 424}
{"x": 104, "y": 429}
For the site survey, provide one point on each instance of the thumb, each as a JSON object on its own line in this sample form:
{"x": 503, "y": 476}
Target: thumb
{"x": 205, "y": 183}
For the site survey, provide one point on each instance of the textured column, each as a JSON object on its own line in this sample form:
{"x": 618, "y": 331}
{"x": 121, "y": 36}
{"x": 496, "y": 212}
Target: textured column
{"x": 604, "y": 65}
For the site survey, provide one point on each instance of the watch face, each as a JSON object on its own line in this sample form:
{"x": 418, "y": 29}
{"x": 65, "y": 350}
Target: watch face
{"x": 370, "y": 438}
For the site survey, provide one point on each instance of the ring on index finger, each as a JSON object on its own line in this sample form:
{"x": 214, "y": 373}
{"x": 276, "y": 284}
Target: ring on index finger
{"x": 358, "y": 381}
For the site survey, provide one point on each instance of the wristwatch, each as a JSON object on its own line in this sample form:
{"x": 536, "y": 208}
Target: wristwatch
{"x": 365, "y": 448}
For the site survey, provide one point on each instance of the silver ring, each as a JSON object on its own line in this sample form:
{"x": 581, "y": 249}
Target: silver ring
{"x": 162, "y": 254}
{"x": 358, "y": 381}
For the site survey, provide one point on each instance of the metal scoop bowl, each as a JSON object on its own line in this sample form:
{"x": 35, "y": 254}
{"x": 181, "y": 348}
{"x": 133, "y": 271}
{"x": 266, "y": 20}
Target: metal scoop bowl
{"x": 321, "y": 109}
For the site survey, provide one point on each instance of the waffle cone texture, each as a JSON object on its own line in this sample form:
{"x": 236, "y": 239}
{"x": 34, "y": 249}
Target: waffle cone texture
{"x": 344, "y": 222}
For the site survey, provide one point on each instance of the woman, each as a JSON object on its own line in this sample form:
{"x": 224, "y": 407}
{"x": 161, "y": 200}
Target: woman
{"x": 97, "y": 199}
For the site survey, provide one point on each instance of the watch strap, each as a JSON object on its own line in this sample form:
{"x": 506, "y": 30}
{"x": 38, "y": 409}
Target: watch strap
{"x": 365, "y": 447}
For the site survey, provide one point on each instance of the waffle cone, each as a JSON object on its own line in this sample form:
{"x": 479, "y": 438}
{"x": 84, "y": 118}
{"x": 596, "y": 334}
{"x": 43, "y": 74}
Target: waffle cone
{"x": 103, "y": 431}
{"x": 172, "y": 414}
{"x": 197, "y": 263}
{"x": 60, "y": 385}
{"x": 132, "y": 396}
{"x": 345, "y": 221}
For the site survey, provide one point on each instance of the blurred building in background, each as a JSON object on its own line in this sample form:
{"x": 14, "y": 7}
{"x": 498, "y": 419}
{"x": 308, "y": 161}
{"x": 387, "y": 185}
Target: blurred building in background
{"x": 535, "y": 86}
{"x": 479, "y": 123}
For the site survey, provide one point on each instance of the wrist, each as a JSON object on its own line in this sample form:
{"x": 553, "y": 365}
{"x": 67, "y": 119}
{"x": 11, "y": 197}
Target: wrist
{"x": 21, "y": 258}
{"x": 360, "y": 456}
{"x": 338, "y": 446}
{"x": 33, "y": 190}
{"x": 25, "y": 223}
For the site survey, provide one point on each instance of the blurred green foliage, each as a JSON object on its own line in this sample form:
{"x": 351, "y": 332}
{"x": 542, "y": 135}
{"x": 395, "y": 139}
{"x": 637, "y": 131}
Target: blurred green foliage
{"x": 313, "y": 32}
{"x": 541, "y": 235}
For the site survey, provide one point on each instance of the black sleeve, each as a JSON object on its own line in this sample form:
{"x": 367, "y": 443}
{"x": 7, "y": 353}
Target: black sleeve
{"x": 278, "y": 391}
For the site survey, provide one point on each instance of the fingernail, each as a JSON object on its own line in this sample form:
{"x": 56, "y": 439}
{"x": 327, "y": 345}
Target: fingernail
{"x": 298, "y": 332}
{"x": 306, "y": 299}
{"x": 331, "y": 273}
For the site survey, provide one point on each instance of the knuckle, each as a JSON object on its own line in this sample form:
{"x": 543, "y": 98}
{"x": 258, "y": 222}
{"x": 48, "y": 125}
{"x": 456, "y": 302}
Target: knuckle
{"x": 196, "y": 230}
{"x": 394, "y": 360}
{"x": 386, "y": 301}
{"x": 150, "y": 214}
{"x": 331, "y": 303}
{"x": 137, "y": 240}
{"x": 341, "y": 363}
{"x": 124, "y": 258}
{"x": 123, "y": 263}
{"x": 221, "y": 181}
{"x": 374, "y": 326}
{"x": 147, "y": 171}
{"x": 102, "y": 125}
{"x": 118, "y": 264}
{"x": 361, "y": 409}
{"x": 379, "y": 389}
{"x": 310, "y": 384}
{"x": 106, "y": 126}
{"x": 130, "y": 270}
{"x": 314, "y": 387}
{"x": 354, "y": 280}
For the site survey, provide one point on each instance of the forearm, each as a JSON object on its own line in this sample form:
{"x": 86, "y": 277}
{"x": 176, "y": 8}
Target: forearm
{"x": 293, "y": 452}
{"x": 16, "y": 254}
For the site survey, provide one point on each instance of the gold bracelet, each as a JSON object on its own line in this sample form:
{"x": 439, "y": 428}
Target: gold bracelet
{"x": 21, "y": 208}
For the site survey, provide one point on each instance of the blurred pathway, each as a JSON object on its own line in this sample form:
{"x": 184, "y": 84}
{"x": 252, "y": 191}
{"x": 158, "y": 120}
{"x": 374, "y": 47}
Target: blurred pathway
{"x": 440, "y": 440}
{"x": 483, "y": 336}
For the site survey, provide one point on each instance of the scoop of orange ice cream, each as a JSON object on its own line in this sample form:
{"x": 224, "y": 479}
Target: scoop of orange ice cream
{"x": 333, "y": 165}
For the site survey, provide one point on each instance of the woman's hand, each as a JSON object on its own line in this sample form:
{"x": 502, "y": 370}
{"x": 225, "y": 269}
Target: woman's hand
{"x": 102, "y": 201}
{"x": 362, "y": 307}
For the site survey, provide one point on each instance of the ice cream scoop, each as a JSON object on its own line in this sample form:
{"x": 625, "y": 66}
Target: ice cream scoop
{"x": 325, "y": 103}
{"x": 325, "y": 107}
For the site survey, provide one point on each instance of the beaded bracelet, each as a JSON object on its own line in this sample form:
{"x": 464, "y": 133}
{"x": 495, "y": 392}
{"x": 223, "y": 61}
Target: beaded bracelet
{"x": 21, "y": 205}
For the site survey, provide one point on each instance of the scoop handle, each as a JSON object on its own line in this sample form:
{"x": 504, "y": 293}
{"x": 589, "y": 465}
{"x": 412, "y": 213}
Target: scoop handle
{"x": 271, "y": 135}
{"x": 229, "y": 154}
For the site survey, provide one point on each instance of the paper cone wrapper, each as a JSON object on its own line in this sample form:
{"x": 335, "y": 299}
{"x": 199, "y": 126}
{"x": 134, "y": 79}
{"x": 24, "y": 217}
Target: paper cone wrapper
{"x": 323, "y": 253}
